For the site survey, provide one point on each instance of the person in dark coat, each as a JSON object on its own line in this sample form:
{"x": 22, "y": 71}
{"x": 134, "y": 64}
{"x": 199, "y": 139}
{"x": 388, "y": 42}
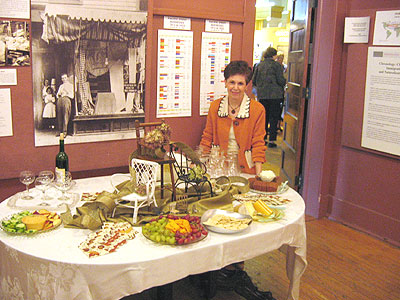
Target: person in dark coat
{"x": 269, "y": 81}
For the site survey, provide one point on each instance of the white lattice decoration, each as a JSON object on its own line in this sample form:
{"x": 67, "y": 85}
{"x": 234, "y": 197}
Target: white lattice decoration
{"x": 145, "y": 170}
{"x": 146, "y": 174}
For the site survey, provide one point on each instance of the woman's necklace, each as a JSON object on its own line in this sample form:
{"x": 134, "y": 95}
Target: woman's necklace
{"x": 233, "y": 111}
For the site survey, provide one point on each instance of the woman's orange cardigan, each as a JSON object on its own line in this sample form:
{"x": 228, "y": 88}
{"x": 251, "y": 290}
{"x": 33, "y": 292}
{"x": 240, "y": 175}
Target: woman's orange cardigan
{"x": 249, "y": 128}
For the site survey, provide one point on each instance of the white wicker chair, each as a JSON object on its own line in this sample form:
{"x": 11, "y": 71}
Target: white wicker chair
{"x": 145, "y": 174}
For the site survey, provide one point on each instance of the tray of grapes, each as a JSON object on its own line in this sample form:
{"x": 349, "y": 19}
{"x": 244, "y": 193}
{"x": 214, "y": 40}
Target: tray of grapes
{"x": 175, "y": 230}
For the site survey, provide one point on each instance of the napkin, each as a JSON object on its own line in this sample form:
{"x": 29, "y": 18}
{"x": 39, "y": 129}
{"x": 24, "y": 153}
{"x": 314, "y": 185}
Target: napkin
{"x": 92, "y": 214}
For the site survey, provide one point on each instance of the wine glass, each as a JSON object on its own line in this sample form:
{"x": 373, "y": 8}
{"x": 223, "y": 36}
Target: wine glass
{"x": 63, "y": 183}
{"x": 42, "y": 184}
{"x": 47, "y": 178}
{"x": 27, "y": 177}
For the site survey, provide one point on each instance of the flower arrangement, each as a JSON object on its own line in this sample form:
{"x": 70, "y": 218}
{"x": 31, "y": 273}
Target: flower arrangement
{"x": 157, "y": 137}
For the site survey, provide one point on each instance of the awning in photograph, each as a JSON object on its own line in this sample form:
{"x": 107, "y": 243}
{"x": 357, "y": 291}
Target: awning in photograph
{"x": 67, "y": 23}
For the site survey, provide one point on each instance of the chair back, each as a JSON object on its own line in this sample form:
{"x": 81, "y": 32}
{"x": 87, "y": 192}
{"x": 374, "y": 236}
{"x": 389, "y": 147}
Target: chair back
{"x": 142, "y": 129}
{"x": 144, "y": 170}
{"x": 145, "y": 173}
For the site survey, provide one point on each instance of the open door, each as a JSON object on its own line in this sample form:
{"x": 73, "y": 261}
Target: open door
{"x": 297, "y": 93}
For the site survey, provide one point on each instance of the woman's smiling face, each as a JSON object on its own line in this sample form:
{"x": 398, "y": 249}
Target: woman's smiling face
{"x": 236, "y": 86}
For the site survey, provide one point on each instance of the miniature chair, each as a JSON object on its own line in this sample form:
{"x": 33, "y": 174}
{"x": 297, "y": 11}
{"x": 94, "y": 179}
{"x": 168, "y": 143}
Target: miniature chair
{"x": 184, "y": 166}
{"x": 141, "y": 130}
{"x": 145, "y": 175}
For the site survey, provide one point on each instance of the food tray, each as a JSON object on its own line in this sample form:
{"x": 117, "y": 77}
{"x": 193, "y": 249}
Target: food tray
{"x": 211, "y": 212}
{"x": 176, "y": 244}
{"x": 275, "y": 201}
{"x": 25, "y": 233}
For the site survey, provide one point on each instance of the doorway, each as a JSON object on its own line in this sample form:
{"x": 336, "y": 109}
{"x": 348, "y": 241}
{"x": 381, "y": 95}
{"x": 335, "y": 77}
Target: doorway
{"x": 272, "y": 28}
{"x": 289, "y": 27}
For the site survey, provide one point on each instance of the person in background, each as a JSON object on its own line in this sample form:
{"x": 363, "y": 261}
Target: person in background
{"x": 237, "y": 123}
{"x": 270, "y": 82}
{"x": 49, "y": 110}
{"x": 279, "y": 58}
{"x": 65, "y": 95}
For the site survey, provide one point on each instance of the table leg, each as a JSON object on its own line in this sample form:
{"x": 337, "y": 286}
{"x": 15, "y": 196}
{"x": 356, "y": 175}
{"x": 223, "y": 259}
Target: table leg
{"x": 164, "y": 292}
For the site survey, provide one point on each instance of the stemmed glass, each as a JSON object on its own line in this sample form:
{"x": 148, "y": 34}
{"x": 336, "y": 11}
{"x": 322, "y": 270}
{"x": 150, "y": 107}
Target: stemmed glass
{"x": 64, "y": 183}
{"x": 42, "y": 184}
{"x": 27, "y": 178}
{"x": 47, "y": 178}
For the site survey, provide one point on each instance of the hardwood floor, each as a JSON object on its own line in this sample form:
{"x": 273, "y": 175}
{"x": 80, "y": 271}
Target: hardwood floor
{"x": 342, "y": 264}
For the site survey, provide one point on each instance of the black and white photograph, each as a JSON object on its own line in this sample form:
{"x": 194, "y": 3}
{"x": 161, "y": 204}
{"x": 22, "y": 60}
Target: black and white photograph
{"x": 14, "y": 44}
{"x": 88, "y": 65}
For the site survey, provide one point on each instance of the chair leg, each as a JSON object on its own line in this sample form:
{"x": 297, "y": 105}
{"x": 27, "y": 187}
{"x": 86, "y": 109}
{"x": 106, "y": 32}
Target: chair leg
{"x": 165, "y": 292}
{"x": 113, "y": 212}
{"x": 171, "y": 171}
{"x": 135, "y": 212}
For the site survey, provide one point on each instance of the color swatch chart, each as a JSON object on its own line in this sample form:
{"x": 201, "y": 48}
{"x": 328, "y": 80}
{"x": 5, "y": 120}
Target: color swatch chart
{"x": 174, "y": 73}
{"x": 215, "y": 55}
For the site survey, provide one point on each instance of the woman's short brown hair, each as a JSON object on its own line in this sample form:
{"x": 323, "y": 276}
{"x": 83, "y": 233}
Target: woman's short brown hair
{"x": 240, "y": 67}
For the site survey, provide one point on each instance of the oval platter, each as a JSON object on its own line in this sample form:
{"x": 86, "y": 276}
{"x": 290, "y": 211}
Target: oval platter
{"x": 8, "y": 229}
{"x": 211, "y": 212}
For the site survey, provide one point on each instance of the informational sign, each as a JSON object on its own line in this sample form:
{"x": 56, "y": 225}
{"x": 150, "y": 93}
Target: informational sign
{"x": 177, "y": 23}
{"x": 381, "y": 122}
{"x": 356, "y": 29}
{"x": 5, "y": 113}
{"x": 215, "y": 55}
{"x": 8, "y": 77}
{"x": 217, "y": 26}
{"x": 174, "y": 73}
{"x": 387, "y": 28}
{"x": 15, "y": 9}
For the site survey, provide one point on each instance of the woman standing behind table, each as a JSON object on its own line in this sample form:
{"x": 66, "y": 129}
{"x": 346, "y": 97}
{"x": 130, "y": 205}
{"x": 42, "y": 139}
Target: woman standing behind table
{"x": 236, "y": 123}
{"x": 270, "y": 83}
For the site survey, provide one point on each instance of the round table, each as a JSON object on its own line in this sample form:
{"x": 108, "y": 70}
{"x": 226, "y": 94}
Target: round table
{"x": 51, "y": 266}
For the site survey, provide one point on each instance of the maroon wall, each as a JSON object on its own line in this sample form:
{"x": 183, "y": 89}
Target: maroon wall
{"x": 350, "y": 184}
{"x": 18, "y": 152}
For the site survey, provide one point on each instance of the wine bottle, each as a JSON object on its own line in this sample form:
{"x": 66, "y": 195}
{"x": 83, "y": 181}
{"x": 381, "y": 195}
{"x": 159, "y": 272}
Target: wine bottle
{"x": 61, "y": 159}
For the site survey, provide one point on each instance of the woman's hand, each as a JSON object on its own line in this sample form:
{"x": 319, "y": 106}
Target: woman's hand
{"x": 258, "y": 166}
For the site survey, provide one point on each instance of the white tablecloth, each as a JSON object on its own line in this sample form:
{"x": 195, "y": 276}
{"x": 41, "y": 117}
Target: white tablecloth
{"x": 50, "y": 265}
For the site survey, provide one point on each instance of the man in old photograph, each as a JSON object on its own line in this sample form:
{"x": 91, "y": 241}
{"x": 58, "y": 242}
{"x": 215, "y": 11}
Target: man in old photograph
{"x": 65, "y": 95}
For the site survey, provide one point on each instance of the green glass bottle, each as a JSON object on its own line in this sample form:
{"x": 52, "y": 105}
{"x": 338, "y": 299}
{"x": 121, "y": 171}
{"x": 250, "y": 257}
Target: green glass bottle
{"x": 61, "y": 159}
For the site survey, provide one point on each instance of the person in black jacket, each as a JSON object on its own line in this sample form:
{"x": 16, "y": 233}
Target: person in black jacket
{"x": 269, "y": 81}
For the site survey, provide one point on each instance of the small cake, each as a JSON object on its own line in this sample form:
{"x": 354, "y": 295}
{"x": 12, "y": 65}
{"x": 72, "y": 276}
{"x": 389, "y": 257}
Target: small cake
{"x": 265, "y": 186}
